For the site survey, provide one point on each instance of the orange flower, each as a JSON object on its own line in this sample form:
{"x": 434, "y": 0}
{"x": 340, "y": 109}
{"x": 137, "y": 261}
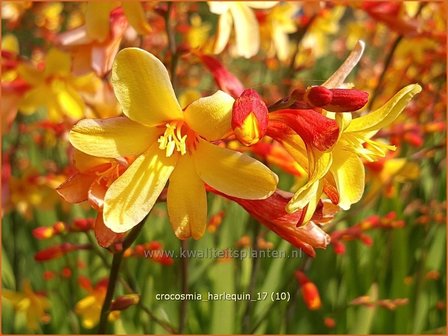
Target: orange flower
{"x": 90, "y": 182}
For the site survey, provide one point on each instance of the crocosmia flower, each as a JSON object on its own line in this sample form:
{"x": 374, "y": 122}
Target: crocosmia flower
{"x": 169, "y": 143}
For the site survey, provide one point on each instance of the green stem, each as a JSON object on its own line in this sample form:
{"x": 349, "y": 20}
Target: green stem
{"x": 247, "y": 317}
{"x": 183, "y": 308}
{"x": 113, "y": 276}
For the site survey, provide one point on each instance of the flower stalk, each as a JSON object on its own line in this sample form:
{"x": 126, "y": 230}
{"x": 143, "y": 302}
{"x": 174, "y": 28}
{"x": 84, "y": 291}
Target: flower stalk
{"x": 113, "y": 276}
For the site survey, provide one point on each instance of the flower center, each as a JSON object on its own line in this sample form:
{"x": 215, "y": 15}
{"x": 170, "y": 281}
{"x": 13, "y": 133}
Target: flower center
{"x": 177, "y": 136}
{"x": 370, "y": 150}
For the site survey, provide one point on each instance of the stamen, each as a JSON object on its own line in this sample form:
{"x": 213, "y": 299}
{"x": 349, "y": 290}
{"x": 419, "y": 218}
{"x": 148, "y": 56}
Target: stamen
{"x": 173, "y": 139}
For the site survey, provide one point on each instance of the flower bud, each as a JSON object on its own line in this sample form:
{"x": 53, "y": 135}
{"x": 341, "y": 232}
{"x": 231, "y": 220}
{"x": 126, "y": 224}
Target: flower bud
{"x": 249, "y": 117}
{"x": 318, "y": 96}
{"x": 43, "y": 232}
{"x": 309, "y": 291}
{"x": 345, "y": 100}
{"x": 336, "y": 100}
{"x": 125, "y": 301}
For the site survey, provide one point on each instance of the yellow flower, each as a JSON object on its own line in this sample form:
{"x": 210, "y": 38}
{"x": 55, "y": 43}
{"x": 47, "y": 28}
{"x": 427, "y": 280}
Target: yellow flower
{"x": 33, "y": 305}
{"x": 275, "y": 28}
{"x": 318, "y": 35}
{"x": 56, "y": 88}
{"x": 197, "y": 35}
{"x": 240, "y": 15}
{"x": 89, "y": 308}
{"x": 169, "y": 144}
{"x": 342, "y": 167}
{"x": 98, "y": 12}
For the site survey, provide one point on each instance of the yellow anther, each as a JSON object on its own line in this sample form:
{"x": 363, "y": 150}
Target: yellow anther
{"x": 173, "y": 139}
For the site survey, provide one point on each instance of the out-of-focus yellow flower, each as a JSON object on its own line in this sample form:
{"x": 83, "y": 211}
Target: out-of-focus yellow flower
{"x": 55, "y": 88}
{"x": 318, "y": 35}
{"x": 89, "y": 308}
{"x": 197, "y": 35}
{"x": 10, "y": 44}
{"x": 276, "y": 26}
{"x": 49, "y": 16}
{"x": 103, "y": 103}
{"x": 240, "y": 15}
{"x": 30, "y": 303}
{"x": 385, "y": 173}
{"x": 98, "y": 12}
{"x": 169, "y": 144}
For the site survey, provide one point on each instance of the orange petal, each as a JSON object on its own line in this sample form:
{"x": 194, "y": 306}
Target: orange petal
{"x": 75, "y": 189}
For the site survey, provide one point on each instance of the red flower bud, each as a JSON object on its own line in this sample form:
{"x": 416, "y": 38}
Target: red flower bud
{"x": 249, "y": 117}
{"x": 49, "y": 253}
{"x": 125, "y": 301}
{"x": 309, "y": 291}
{"x": 347, "y": 100}
{"x": 318, "y": 96}
{"x": 43, "y": 232}
{"x": 336, "y": 100}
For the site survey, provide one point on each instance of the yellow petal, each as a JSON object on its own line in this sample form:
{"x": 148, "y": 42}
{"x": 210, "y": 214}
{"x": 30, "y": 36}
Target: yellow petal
{"x": 35, "y": 98}
{"x": 131, "y": 197}
{"x": 187, "y": 200}
{"x": 261, "y": 4}
{"x": 136, "y": 16}
{"x": 312, "y": 199}
{"x": 349, "y": 175}
{"x": 97, "y": 19}
{"x": 143, "y": 88}
{"x": 223, "y": 34}
{"x": 281, "y": 43}
{"x": 57, "y": 63}
{"x": 387, "y": 113}
{"x": 10, "y": 43}
{"x": 319, "y": 164}
{"x": 30, "y": 74}
{"x": 246, "y": 30}
{"x": 302, "y": 197}
{"x": 68, "y": 100}
{"x": 112, "y": 138}
{"x": 233, "y": 173}
{"x": 87, "y": 83}
{"x": 211, "y": 116}
{"x": 218, "y": 7}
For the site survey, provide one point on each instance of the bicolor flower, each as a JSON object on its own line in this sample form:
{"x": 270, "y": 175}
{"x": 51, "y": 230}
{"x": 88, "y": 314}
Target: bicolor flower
{"x": 168, "y": 143}
{"x": 343, "y": 169}
{"x": 32, "y": 304}
{"x": 241, "y": 16}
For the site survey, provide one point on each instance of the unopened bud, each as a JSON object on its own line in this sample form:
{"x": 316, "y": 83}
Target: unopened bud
{"x": 311, "y": 296}
{"x": 249, "y": 117}
{"x": 43, "y": 232}
{"x": 336, "y": 100}
{"x": 125, "y": 301}
{"x": 318, "y": 96}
